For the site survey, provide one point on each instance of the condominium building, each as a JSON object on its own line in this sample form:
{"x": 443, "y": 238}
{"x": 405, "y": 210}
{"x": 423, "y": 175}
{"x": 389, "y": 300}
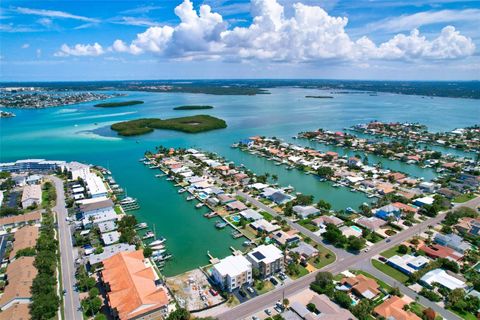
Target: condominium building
{"x": 232, "y": 272}
{"x": 268, "y": 259}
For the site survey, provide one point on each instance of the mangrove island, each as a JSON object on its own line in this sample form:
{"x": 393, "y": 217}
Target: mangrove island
{"x": 192, "y": 107}
{"x": 192, "y": 124}
{"x": 118, "y": 104}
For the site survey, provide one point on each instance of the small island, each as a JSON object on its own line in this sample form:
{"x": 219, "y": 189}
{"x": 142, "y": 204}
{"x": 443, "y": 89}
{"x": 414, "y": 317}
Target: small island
{"x": 192, "y": 107}
{"x": 192, "y": 124}
{"x": 319, "y": 97}
{"x": 118, "y": 104}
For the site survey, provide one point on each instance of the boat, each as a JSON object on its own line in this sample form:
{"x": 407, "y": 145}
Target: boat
{"x": 170, "y": 179}
{"x": 157, "y": 242}
{"x": 154, "y": 167}
{"x": 247, "y": 243}
{"x": 189, "y": 198}
{"x": 336, "y": 185}
{"x": 142, "y": 225}
{"x": 220, "y": 224}
{"x": 158, "y": 252}
{"x": 182, "y": 190}
{"x": 199, "y": 205}
{"x": 129, "y": 203}
{"x": 142, "y": 159}
{"x": 159, "y": 175}
{"x": 158, "y": 247}
{"x": 236, "y": 234}
{"x": 148, "y": 235}
{"x": 235, "y": 145}
{"x": 353, "y": 190}
{"x": 210, "y": 214}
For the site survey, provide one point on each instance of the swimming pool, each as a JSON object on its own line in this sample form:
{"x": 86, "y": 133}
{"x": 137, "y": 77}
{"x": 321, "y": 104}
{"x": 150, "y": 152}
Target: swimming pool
{"x": 356, "y": 228}
{"x": 236, "y": 219}
{"x": 203, "y": 195}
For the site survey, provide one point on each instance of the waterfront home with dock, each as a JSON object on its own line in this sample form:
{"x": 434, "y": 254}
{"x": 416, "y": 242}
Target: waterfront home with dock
{"x": 232, "y": 272}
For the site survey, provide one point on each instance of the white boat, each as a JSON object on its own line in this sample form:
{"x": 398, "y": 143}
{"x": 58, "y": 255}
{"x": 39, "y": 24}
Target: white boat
{"x": 182, "y": 190}
{"x": 158, "y": 252}
{"x": 199, "y": 205}
{"x": 170, "y": 179}
{"x": 142, "y": 225}
{"x": 158, "y": 247}
{"x": 189, "y": 198}
{"x": 148, "y": 235}
{"x": 159, "y": 175}
{"x": 157, "y": 242}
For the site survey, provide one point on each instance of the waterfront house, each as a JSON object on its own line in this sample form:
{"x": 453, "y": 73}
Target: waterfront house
{"x": 427, "y": 186}
{"x": 232, "y": 272}
{"x": 324, "y": 220}
{"x": 305, "y": 250}
{"x": 32, "y": 194}
{"x": 268, "y": 259}
{"x": 407, "y": 263}
{"x": 133, "y": 287}
{"x": 236, "y": 206}
{"x": 96, "y": 187}
{"x": 444, "y": 279}
{"x": 305, "y": 211}
{"x": 387, "y": 212}
{"x": 225, "y": 198}
{"x": 110, "y": 238}
{"x": 262, "y": 225}
{"x": 107, "y": 226}
{"x": 19, "y": 276}
{"x": 361, "y": 286}
{"x": 393, "y": 308}
{"x": 279, "y": 197}
{"x": 384, "y": 188}
{"x": 93, "y": 206}
{"x": 453, "y": 241}
{"x": 78, "y": 170}
{"x": 251, "y": 215}
{"x": 282, "y": 238}
{"x": 438, "y": 251}
{"x": 108, "y": 252}
{"x": 371, "y": 223}
{"x": 105, "y": 215}
{"x": 354, "y": 162}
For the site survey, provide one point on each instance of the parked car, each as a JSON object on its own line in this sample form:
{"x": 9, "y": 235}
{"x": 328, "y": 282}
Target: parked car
{"x": 213, "y": 292}
{"x": 388, "y": 240}
{"x": 383, "y": 259}
{"x": 268, "y": 312}
{"x": 273, "y": 281}
{"x": 250, "y": 289}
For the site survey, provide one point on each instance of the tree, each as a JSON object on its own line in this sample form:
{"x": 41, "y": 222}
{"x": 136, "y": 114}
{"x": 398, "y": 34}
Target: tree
{"x": 304, "y": 200}
{"x": 429, "y": 314}
{"x": 324, "y": 205}
{"x": 326, "y": 172}
{"x": 179, "y": 314}
{"x": 91, "y": 306}
{"x": 356, "y": 244}
{"x": 342, "y": 299}
{"x": 323, "y": 283}
{"x": 403, "y": 249}
{"x": 147, "y": 252}
{"x": 100, "y": 316}
{"x": 363, "y": 309}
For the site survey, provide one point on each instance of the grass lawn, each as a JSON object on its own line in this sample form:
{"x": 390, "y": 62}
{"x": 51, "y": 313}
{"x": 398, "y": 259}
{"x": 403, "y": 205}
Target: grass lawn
{"x": 380, "y": 282}
{"x": 463, "y": 198}
{"x": 308, "y": 224}
{"x": 394, "y": 273}
{"x": 303, "y": 272}
{"x": 322, "y": 255}
{"x": 267, "y": 216}
{"x": 267, "y": 286}
{"x": 118, "y": 210}
{"x": 418, "y": 310}
{"x": 467, "y": 316}
{"x": 233, "y": 301}
{"x": 392, "y": 251}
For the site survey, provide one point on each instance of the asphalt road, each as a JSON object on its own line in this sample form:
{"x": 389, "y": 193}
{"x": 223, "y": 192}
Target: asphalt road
{"x": 342, "y": 263}
{"x": 67, "y": 258}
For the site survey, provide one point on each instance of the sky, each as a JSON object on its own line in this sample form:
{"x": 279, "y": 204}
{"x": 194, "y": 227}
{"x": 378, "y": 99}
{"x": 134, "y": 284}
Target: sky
{"x": 83, "y": 40}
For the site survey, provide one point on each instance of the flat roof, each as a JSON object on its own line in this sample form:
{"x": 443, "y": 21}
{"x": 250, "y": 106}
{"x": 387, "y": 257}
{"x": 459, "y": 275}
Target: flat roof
{"x": 233, "y": 266}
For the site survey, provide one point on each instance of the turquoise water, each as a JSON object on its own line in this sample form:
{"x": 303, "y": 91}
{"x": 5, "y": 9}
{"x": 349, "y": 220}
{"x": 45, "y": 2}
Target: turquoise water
{"x": 81, "y": 132}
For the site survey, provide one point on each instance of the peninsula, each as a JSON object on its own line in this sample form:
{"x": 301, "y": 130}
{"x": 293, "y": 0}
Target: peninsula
{"x": 192, "y": 107}
{"x": 118, "y": 104}
{"x": 192, "y": 124}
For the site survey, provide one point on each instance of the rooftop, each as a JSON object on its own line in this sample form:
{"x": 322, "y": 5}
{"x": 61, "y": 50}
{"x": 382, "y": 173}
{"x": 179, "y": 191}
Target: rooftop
{"x": 233, "y": 266}
{"x": 265, "y": 253}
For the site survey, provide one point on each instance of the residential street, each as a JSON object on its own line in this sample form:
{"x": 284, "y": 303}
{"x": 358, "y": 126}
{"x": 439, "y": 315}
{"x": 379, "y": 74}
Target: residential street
{"x": 67, "y": 257}
{"x": 343, "y": 262}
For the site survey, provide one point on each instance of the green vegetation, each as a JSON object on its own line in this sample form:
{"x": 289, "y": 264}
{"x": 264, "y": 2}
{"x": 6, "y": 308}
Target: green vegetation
{"x": 118, "y": 104}
{"x": 395, "y": 251}
{"x": 430, "y": 295}
{"x": 48, "y": 194}
{"x": 126, "y": 227}
{"x": 45, "y": 301}
{"x": 26, "y": 252}
{"x": 192, "y": 107}
{"x": 193, "y": 124}
{"x": 392, "y": 272}
{"x": 464, "y": 197}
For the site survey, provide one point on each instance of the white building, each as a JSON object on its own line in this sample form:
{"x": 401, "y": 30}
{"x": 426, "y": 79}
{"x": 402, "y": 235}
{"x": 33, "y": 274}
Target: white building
{"x": 96, "y": 187}
{"x": 268, "y": 259}
{"x": 105, "y": 215}
{"x": 31, "y": 194}
{"x": 441, "y": 277}
{"x": 232, "y": 272}
{"x": 305, "y": 211}
{"x": 78, "y": 170}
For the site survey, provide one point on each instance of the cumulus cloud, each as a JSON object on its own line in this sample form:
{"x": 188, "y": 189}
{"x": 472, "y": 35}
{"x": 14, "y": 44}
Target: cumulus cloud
{"x": 308, "y": 34}
{"x": 80, "y": 50}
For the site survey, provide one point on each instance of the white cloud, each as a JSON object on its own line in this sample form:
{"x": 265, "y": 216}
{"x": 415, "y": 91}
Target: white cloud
{"x": 53, "y": 14}
{"x": 25, "y": 45}
{"x": 134, "y": 21}
{"x": 38, "y": 53}
{"x": 419, "y": 19}
{"x": 309, "y": 34}
{"x": 80, "y": 50}
{"x": 46, "y": 22}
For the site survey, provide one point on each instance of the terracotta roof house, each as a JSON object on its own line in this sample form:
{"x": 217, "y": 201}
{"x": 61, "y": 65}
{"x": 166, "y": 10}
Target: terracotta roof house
{"x": 439, "y": 251}
{"x": 469, "y": 225}
{"x": 362, "y": 286}
{"x": 132, "y": 290}
{"x": 25, "y": 237}
{"x": 393, "y": 309}
{"x": 405, "y": 207}
{"x": 13, "y": 221}
{"x": 18, "y": 311}
{"x": 20, "y": 275}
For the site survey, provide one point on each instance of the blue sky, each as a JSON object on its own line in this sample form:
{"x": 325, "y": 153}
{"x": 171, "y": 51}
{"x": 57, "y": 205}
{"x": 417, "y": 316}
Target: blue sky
{"x": 103, "y": 40}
